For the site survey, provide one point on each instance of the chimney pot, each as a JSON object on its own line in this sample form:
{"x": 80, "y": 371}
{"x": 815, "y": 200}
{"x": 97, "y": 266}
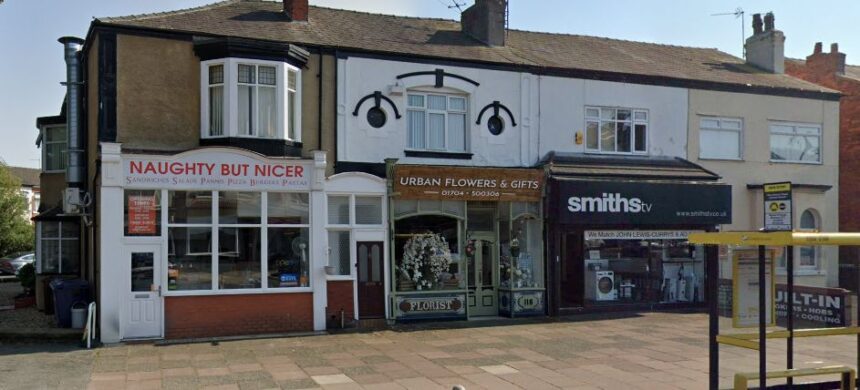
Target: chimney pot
{"x": 817, "y": 48}
{"x": 756, "y": 24}
{"x": 768, "y": 21}
{"x": 834, "y": 48}
{"x": 296, "y": 10}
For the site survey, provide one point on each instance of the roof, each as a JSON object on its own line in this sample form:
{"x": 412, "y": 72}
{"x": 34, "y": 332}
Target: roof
{"x": 581, "y": 165}
{"x": 443, "y": 39}
{"x": 29, "y": 177}
{"x": 851, "y": 71}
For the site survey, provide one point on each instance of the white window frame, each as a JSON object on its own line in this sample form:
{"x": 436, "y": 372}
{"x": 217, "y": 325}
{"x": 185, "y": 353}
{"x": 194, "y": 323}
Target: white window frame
{"x": 795, "y": 125}
{"x": 427, "y": 111}
{"x": 721, "y": 128}
{"x": 60, "y": 239}
{"x": 352, "y": 227}
{"x": 816, "y": 260}
{"x": 230, "y": 84}
{"x": 63, "y": 151}
{"x": 214, "y": 227}
{"x": 633, "y": 122}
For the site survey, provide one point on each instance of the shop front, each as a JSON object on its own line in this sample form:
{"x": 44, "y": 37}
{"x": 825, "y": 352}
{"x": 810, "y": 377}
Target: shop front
{"x": 621, "y": 241}
{"x": 467, "y": 242}
{"x": 210, "y": 242}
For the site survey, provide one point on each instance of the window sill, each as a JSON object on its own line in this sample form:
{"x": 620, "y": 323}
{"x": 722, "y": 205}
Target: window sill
{"x": 191, "y": 293}
{"x": 795, "y": 162}
{"x": 801, "y": 272}
{"x": 721, "y": 159}
{"x": 343, "y": 278}
{"x": 617, "y": 153}
{"x": 431, "y": 154}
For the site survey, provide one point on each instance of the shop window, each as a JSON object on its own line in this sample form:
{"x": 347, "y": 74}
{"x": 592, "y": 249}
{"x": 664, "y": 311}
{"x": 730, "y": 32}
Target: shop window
{"x": 616, "y": 130}
{"x": 720, "y": 138}
{"x": 228, "y": 227}
{"x": 641, "y": 267}
{"x": 142, "y": 213}
{"x": 427, "y": 254}
{"x": 54, "y": 149}
{"x": 245, "y": 98}
{"x": 436, "y": 122}
{"x": 58, "y": 251}
{"x": 521, "y": 259}
{"x": 797, "y": 143}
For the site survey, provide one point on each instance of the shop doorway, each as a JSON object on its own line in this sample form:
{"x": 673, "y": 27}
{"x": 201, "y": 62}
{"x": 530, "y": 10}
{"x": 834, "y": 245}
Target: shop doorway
{"x": 143, "y": 309}
{"x": 572, "y": 274}
{"x": 371, "y": 288}
{"x": 483, "y": 276}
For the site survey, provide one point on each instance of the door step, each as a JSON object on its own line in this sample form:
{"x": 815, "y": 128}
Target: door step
{"x": 374, "y": 323}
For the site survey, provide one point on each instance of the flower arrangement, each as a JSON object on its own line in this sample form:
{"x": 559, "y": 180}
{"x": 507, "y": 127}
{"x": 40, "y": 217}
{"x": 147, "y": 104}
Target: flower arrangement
{"x": 425, "y": 258}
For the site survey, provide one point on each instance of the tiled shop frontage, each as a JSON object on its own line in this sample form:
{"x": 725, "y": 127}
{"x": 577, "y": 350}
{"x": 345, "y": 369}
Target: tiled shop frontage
{"x": 647, "y": 351}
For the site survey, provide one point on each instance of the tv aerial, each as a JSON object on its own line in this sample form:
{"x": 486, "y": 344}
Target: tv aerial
{"x": 738, "y": 13}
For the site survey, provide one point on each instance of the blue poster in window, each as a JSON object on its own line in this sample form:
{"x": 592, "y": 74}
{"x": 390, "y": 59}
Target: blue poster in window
{"x": 289, "y": 280}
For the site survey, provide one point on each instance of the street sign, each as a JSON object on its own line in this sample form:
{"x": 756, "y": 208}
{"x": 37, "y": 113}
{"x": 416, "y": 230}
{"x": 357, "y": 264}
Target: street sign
{"x": 777, "y": 207}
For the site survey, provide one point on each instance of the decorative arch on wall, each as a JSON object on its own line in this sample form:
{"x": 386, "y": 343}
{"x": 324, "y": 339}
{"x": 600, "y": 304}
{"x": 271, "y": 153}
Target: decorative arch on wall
{"x": 378, "y": 97}
{"x": 440, "y": 77}
{"x": 496, "y": 105}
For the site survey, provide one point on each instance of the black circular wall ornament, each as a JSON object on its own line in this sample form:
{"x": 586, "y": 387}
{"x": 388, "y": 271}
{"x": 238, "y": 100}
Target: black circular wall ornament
{"x": 376, "y": 117}
{"x": 496, "y": 125}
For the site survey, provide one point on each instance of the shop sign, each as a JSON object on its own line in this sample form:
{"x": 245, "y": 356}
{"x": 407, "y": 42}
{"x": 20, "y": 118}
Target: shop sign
{"x": 459, "y": 183}
{"x": 585, "y": 202}
{"x": 745, "y": 289}
{"x": 814, "y": 307}
{"x": 141, "y": 215}
{"x": 430, "y": 306}
{"x": 638, "y": 234}
{"x": 221, "y": 169}
{"x": 777, "y": 207}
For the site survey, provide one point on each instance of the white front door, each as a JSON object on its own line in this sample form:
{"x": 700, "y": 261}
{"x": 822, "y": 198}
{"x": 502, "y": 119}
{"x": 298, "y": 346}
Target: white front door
{"x": 142, "y": 309}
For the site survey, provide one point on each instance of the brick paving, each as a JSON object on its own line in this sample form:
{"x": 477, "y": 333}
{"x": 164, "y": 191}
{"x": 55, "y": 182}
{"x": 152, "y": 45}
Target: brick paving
{"x": 639, "y": 351}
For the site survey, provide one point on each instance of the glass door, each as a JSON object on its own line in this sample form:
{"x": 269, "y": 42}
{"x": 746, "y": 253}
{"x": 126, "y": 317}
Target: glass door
{"x": 483, "y": 276}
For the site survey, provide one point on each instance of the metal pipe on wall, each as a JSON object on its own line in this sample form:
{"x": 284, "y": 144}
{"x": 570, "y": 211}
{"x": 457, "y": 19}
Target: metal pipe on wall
{"x": 74, "y": 85}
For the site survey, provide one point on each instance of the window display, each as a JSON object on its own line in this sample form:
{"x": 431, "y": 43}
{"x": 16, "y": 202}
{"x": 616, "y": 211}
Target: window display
{"x": 521, "y": 260}
{"x": 642, "y": 266}
{"x": 427, "y": 255}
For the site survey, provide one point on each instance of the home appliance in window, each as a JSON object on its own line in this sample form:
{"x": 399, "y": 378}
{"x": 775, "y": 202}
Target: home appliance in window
{"x": 600, "y": 286}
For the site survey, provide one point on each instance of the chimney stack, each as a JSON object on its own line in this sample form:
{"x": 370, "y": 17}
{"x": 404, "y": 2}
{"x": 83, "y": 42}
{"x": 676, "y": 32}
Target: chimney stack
{"x": 485, "y": 21}
{"x": 296, "y": 10}
{"x": 766, "y": 47}
{"x": 821, "y": 63}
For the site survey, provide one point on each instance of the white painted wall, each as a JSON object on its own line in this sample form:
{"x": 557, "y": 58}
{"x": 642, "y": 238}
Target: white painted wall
{"x": 548, "y": 112}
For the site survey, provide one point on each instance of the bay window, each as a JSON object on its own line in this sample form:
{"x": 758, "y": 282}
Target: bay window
{"x": 250, "y": 98}
{"x": 229, "y": 240}
{"x": 436, "y": 122}
{"x": 616, "y": 130}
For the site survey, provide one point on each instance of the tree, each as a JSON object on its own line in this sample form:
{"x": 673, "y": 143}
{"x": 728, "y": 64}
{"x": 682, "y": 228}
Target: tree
{"x": 16, "y": 234}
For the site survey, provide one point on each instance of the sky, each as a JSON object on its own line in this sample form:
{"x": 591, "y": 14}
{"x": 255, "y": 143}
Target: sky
{"x": 32, "y": 65}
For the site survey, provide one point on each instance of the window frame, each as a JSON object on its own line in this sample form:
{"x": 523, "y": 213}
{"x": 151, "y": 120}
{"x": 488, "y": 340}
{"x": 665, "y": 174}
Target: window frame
{"x": 39, "y": 252}
{"x": 427, "y": 111}
{"x": 721, "y": 128}
{"x": 352, "y": 227}
{"x": 633, "y": 122}
{"x": 215, "y": 226}
{"x": 64, "y": 151}
{"x": 816, "y": 250}
{"x": 230, "y": 108}
{"x": 794, "y": 126}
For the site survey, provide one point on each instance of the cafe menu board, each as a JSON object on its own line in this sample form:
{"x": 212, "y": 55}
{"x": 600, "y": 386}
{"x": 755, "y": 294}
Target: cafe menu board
{"x": 142, "y": 215}
{"x": 745, "y": 288}
{"x": 460, "y": 183}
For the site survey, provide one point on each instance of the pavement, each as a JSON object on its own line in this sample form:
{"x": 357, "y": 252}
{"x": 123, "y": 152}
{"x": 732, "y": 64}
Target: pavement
{"x": 633, "y": 351}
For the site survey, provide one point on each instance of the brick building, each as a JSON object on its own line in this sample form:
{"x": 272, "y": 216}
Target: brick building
{"x": 830, "y": 70}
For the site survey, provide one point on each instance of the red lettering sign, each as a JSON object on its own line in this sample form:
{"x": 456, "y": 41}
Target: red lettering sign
{"x": 141, "y": 215}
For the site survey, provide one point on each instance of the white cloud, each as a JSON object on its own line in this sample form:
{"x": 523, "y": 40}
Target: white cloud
{"x": 420, "y": 8}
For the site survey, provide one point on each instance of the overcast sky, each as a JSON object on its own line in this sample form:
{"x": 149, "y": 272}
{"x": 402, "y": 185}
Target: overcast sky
{"x": 32, "y": 66}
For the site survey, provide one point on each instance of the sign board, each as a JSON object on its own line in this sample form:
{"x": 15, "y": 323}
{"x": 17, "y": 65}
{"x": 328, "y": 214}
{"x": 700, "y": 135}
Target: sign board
{"x": 814, "y": 307}
{"x": 142, "y": 215}
{"x": 216, "y": 169}
{"x": 637, "y": 234}
{"x": 745, "y": 289}
{"x": 589, "y": 202}
{"x": 426, "y": 306}
{"x": 777, "y": 207}
{"x": 459, "y": 183}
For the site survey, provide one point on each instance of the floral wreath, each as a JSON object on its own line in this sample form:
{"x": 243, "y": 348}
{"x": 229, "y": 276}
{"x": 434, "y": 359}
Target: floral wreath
{"x": 425, "y": 258}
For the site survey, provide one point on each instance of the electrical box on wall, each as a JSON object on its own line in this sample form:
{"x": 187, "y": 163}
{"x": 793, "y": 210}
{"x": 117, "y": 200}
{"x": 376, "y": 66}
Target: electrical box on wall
{"x": 72, "y": 201}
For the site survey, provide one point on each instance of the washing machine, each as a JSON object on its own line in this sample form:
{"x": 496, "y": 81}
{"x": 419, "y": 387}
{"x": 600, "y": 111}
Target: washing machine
{"x": 600, "y": 286}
